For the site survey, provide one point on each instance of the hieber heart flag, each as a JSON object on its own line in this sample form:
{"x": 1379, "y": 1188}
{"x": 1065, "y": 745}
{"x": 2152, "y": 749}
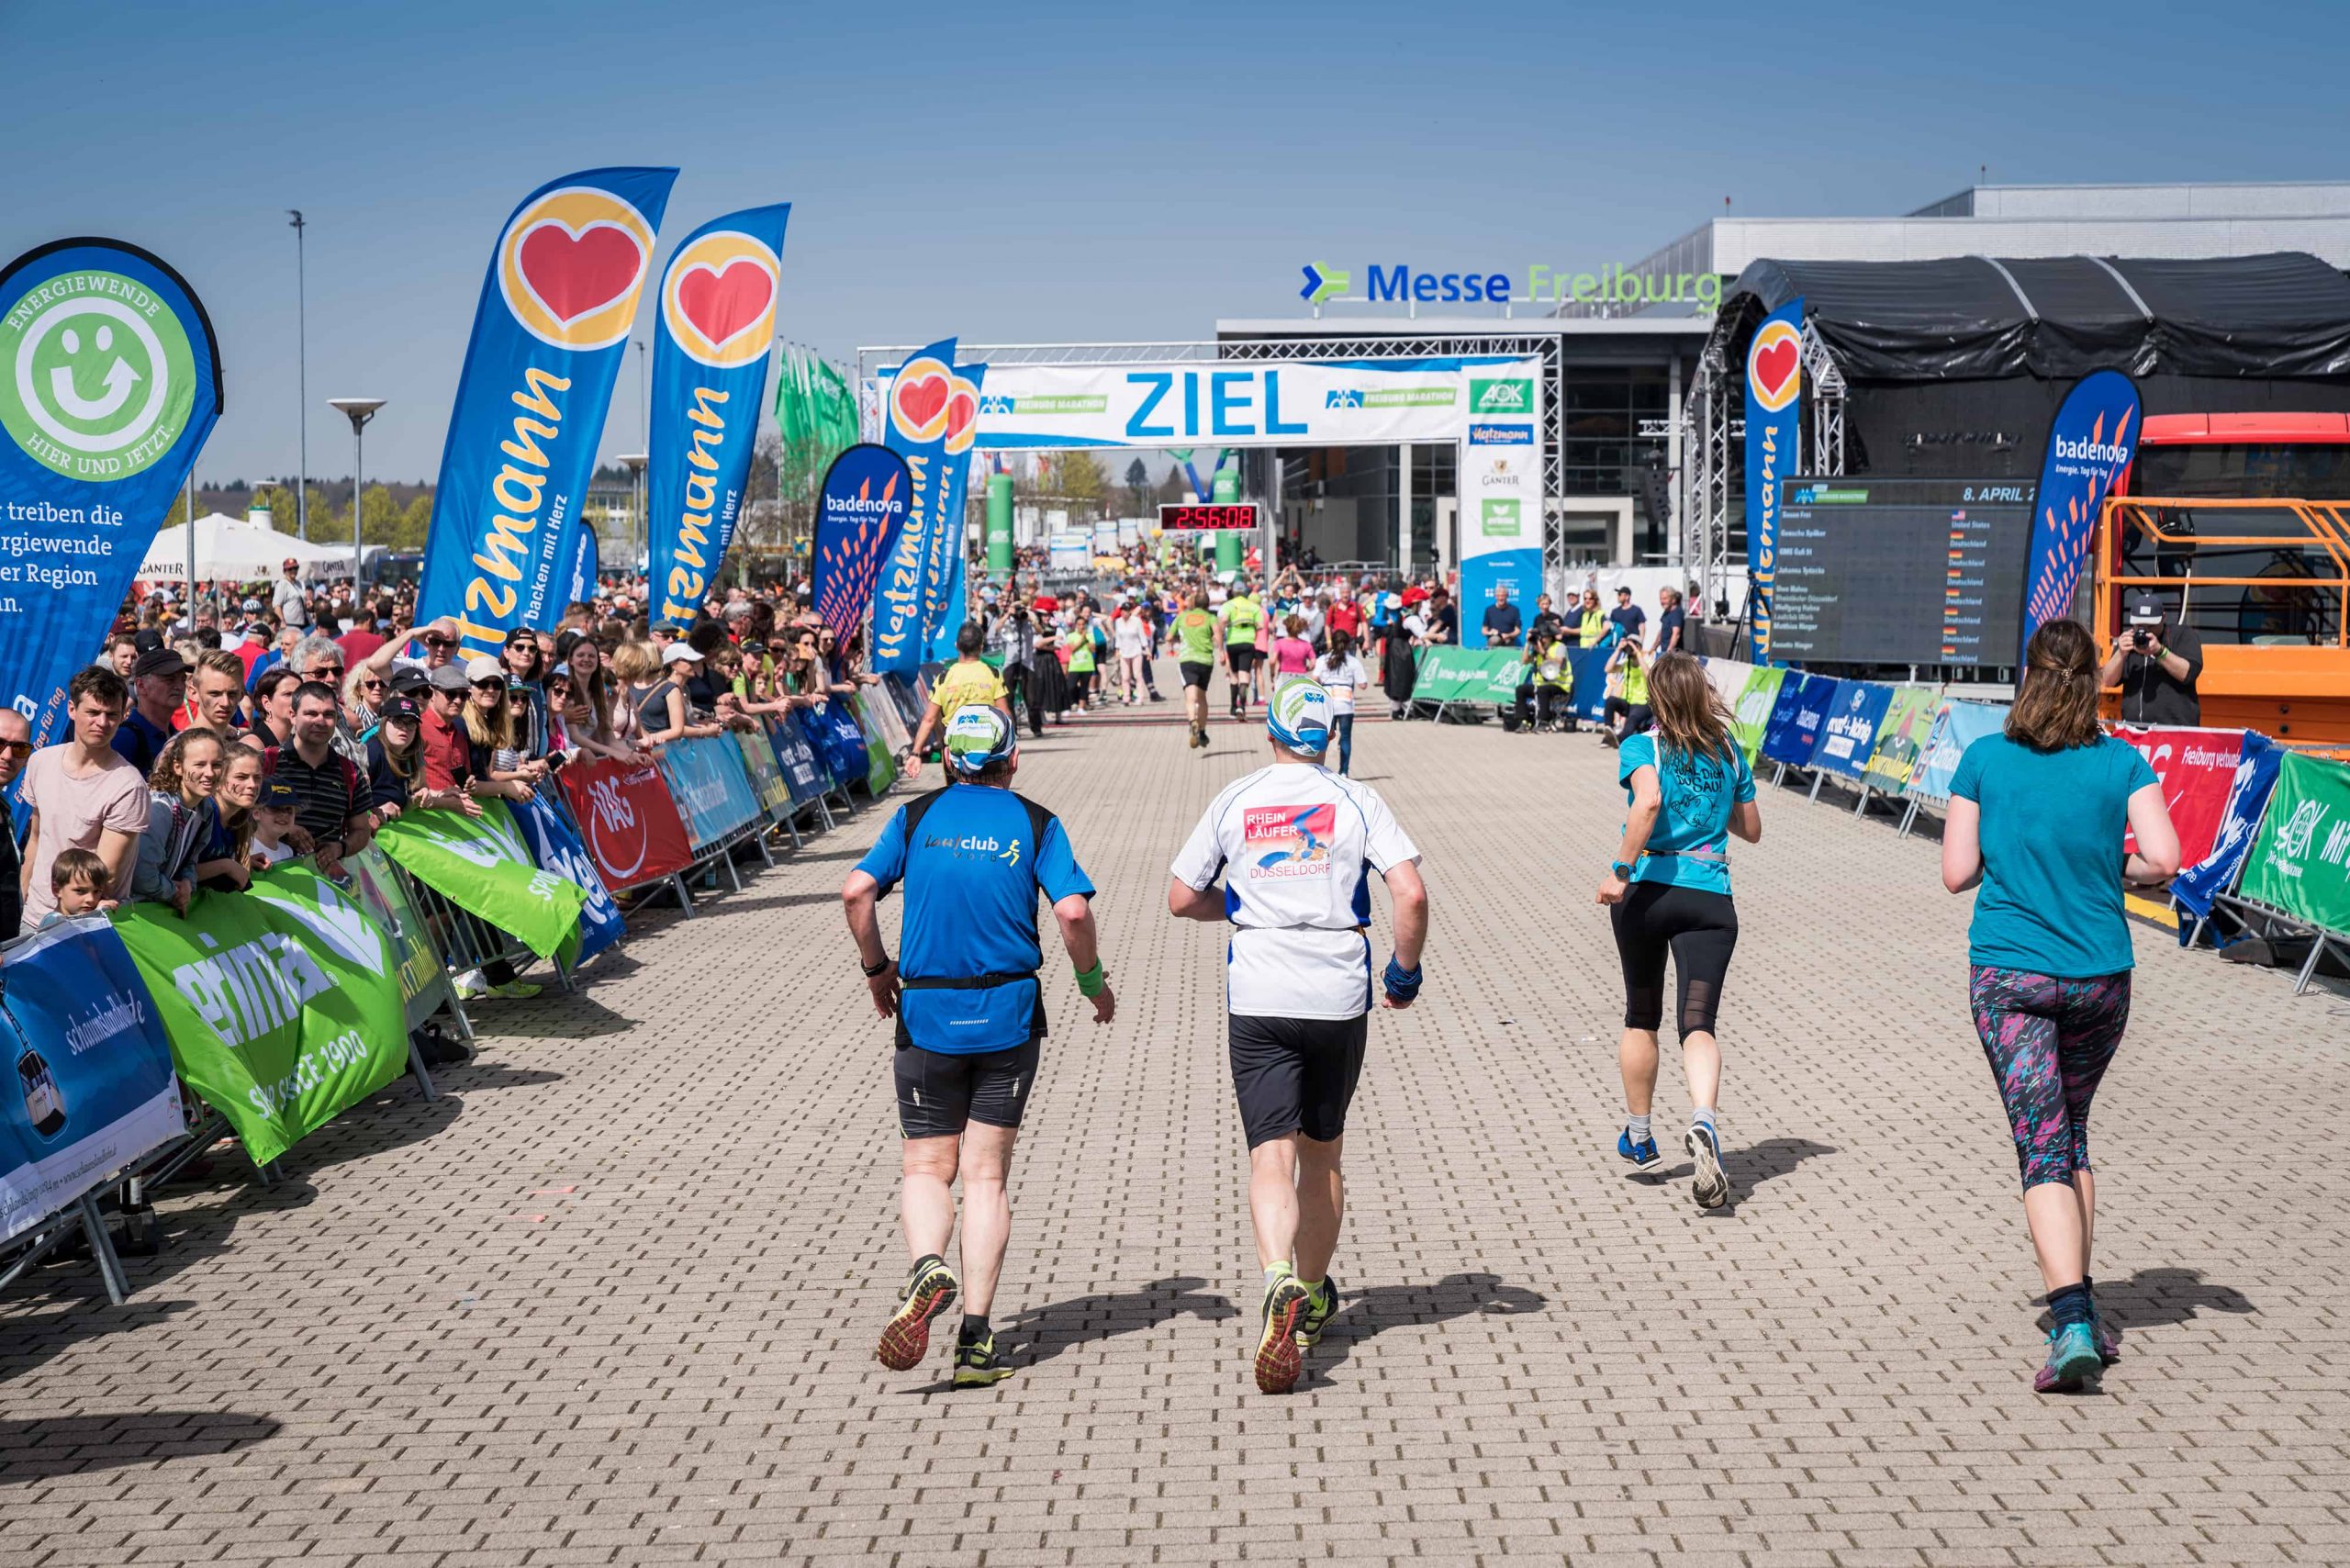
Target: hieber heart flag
{"x": 549, "y": 336}
{"x": 1773, "y": 414}
{"x": 921, "y": 401}
{"x": 711, "y": 350}
{"x": 944, "y": 592}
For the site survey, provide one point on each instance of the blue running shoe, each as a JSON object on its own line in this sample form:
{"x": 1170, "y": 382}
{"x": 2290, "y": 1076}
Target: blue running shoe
{"x": 1642, "y": 1155}
{"x": 2074, "y": 1365}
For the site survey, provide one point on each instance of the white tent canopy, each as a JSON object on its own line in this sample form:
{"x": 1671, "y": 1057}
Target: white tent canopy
{"x": 233, "y": 550}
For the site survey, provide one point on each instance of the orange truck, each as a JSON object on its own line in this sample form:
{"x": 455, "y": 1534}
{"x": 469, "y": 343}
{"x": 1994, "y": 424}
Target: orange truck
{"x": 2240, "y": 524}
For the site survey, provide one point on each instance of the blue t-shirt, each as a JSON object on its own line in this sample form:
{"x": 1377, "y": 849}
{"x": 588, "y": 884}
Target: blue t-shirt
{"x": 1700, "y": 791}
{"x": 971, "y": 878}
{"x": 2052, "y": 832}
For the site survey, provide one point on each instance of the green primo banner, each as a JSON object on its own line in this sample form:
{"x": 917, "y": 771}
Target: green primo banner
{"x": 2300, "y": 857}
{"x": 282, "y": 1003}
{"x": 479, "y": 865}
{"x": 1750, "y": 713}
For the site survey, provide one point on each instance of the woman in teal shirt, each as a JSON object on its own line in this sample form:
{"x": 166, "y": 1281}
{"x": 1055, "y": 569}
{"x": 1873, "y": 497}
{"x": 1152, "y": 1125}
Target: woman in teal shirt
{"x": 2037, "y": 816}
{"x": 1689, "y": 790}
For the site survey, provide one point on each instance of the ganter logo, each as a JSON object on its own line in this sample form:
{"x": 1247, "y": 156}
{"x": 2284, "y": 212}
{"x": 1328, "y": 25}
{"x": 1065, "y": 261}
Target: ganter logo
{"x": 99, "y": 376}
{"x": 571, "y": 264}
{"x": 720, "y": 299}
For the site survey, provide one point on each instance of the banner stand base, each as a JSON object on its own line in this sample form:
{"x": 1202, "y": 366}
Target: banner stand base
{"x": 85, "y": 1216}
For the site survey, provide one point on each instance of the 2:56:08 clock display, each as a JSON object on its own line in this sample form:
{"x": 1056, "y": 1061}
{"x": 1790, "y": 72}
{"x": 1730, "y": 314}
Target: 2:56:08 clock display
{"x": 1194, "y": 517}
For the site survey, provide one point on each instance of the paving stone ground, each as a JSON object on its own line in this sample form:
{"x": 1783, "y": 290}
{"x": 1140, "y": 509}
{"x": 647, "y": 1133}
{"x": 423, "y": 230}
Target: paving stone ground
{"x": 613, "y": 1299}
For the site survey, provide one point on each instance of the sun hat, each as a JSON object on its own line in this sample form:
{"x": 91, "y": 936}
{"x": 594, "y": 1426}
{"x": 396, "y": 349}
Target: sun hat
{"x": 976, "y": 737}
{"x": 1299, "y": 716}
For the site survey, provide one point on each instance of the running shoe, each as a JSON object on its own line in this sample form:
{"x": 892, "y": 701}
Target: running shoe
{"x": 2107, "y": 1337}
{"x": 1277, "y": 1361}
{"x": 1321, "y": 1307}
{"x": 906, "y": 1340}
{"x": 518, "y": 990}
{"x": 1711, "y": 1188}
{"x": 978, "y": 1363}
{"x": 2074, "y": 1365}
{"x": 1643, "y": 1155}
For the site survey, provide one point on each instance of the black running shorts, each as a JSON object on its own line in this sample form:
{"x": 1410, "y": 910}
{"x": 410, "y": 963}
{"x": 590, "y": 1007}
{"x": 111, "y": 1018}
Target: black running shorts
{"x": 939, "y": 1092}
{"x": 1296, "y": 1075}
{"x": 1241, "y": 655}
{"x": 1195, "y": 674}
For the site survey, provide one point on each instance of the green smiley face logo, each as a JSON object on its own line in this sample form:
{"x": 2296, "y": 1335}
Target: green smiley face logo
{"x": 97, "y": 381}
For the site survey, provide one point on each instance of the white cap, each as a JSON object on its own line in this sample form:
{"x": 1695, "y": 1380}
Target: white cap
{"x": 483, "y": 666}
{"x": 680, "y": 653}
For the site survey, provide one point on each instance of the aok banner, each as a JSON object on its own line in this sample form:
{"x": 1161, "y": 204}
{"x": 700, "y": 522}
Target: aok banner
{"x": 2300, "y": 857}
{"x": 549, "y": 336}
{"x": 282, "y": 1003}
{"x": 109, "y": 384}
{"x": 1501, "y": 493}
{"x": 632, "y": 826}
{"x": 91, "y": 1089}
{"x": 710, "y": 346}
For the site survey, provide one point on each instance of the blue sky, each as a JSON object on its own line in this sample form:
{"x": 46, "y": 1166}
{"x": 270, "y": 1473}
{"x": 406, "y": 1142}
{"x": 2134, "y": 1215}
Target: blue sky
{"x": 1026, "y": 174}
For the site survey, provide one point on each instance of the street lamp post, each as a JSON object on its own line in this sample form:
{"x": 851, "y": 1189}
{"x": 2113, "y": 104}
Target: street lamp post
{"x": 302, "y": 379}
{"x": 634, "y": 462}
{"x": 358, "y": 410}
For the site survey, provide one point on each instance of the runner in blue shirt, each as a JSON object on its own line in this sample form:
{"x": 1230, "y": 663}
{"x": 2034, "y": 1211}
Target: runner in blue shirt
{"x": 1689, "y": 788}
{"x": 970, "y": 1014}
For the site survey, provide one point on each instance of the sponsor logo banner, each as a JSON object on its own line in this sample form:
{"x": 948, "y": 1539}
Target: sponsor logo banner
{"x": 109, "y": 384}
{"x": 2090, "y": 443}
{"x": 2196, "y": 768}
{"x": 2300, "y": 857}
{"x": 1793, "y": 734}
{"x": 1901, "y": 737}
{"x": 920, "y": 406}
{"x": 2248, "y": 790}
{"x": 549, "y": 336}
{"x": 627, "y": 820}
{"x": 804, "y": 770}
{"x": 859, "y": 514}
{"x": 1848, "y": 734}
{"x": 1774, "y": 413}
{"x": 945, "y": 598}
{"x": 89, "y": 1088}
{"x": 1956, "y": 726}
{"x": 714, "y": 794}
{"x": 713, "y": 327}
{"x": 1501, "y": 497}
{"x": 557, "y": 848}
{"x": 479, "y": 865}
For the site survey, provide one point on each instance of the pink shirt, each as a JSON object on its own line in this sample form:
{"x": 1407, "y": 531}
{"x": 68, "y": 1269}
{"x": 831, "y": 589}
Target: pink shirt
{"x": 75, "y": 811}
{"x": 1291, "y": 655}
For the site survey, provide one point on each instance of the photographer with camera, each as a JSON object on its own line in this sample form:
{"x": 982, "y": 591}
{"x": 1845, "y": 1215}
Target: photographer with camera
{"x": 2155, "y": 661}
{"x": 1627, "y": 694}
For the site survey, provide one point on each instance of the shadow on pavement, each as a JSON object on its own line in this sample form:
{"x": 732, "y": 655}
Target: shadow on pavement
{"x": 2154, "y": 1298}
{"x": 1750, "y": 1168}
{"x": 479, "y": 1074}
{"x": 43, "y": 1448}
{"x": 1039, "y": 1334}
{"x": 1366, "y": 1314}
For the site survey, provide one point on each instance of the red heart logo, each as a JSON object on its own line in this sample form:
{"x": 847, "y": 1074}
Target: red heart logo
{"x": 961, "y": 409}
{"x": 1774, "y": 366}
{"x": 574, "y": 276}
{"x": 919, "y": 401}
{"x": 722, "y": 305}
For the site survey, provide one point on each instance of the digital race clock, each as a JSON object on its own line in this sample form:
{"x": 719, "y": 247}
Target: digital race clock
{"x": 1191, "y": 517}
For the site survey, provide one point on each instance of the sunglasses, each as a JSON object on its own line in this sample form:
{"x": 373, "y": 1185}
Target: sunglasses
{"x": 371, "y": 685}
{"x": 16, "y": 748}
{"x": 497, "y": 686}
{"x": 432, "y": 642}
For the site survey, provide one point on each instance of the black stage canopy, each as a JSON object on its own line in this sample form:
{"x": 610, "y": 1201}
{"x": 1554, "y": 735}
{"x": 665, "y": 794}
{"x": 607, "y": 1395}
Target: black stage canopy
{"x": 2283, "y": 315}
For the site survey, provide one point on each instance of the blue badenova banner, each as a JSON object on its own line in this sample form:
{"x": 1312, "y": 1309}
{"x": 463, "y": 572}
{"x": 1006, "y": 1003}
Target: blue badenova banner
{"x": 947, "y": 593}
{"x": 711, "y": 341}
{"x": 549, "y": 336}
{"x": 1774, "y": 413}
{"x": 1793, "y": 734}
{"x": 555, "y": 848}
{"x": 923, "y": 408}
{"x": 1848, "y": 734}
{"x": 90, "y": 1087}
{"x": 2090, "y": 442}
{"x": 109, "y": 384}
{"x": 858, "y": 517}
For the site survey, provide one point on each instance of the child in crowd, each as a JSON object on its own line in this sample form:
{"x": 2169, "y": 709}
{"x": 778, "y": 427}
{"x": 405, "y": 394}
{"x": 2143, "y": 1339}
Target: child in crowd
{"x": 272, "y": 825}
{"x": 77, "y": 879}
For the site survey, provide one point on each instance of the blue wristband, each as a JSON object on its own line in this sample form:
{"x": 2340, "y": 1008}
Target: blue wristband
{"x": 1403, "y": 984}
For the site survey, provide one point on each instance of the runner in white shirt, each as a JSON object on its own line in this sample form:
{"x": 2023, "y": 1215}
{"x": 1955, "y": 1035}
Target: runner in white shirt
{"x": 1131, "y": 634}
{"x": 1341, "y": 674}
{"x": 1296, "y": 846}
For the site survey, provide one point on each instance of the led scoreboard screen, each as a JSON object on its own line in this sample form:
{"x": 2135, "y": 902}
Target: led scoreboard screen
{"x": 1195, "y": 518}
{"x": 1900, "y": 571}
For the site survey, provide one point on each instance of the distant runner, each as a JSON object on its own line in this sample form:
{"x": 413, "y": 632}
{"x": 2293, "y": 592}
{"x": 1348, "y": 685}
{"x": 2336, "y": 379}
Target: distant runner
{"x": 1193, "y": 637}
{"x": 1295, "y": 846}
{"x": 1242, "y": 616}
{"x": 970, "y": 1015}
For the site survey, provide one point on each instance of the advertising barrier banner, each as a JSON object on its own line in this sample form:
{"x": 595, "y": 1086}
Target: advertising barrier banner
{"x": 1848, "y": 733}
{"x": 712, "y": 792}
{"x": 815, "y": 730}
{"x": 92, "y": 1088}
{"x": 1900, "y": 737}
{"x": 2249, "y": 786}
{"x": 833, "y": 731}
{"x": 1774, "y": 412}
{"x": 881, "y": 764}
{"x": 859, "y": 513}
{"x": 423, "y": 976}
{"x": 109, "y": 384}
{"x": 549, "y": 335}
{"x": 282, "y": 1003}
{"x": 479, "y": 865}
{"x": 1451, "y": 673}
{"x": 713, "y": 332}
{"x": 924, "y": 406}
{"x": 1590, "y": 696}
{"x": 555, "y": 848}
{"x": 1501, "y": 493}
{"x": 1749, "y": 714}
{"x": 2196, "y": 770}
{"x": 803, "y": 774}
{"x": 2090, "y": 443}
{"x": 767, "y": 776}
{"x": 1957, "y": 725}
{"x": 2300, "y": 857}
{"x": 630, "y": 822}
{"x": 1793, "y": 734}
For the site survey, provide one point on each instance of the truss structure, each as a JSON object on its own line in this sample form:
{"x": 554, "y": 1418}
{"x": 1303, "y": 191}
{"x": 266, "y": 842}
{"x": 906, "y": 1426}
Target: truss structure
{"x": 1713, "y": 426}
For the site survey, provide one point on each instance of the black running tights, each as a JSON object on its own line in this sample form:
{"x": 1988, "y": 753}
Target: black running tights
{"x": 1698, "y": 929}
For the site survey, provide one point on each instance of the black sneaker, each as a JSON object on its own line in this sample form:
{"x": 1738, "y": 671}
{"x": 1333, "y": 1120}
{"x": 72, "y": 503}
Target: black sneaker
{"x": 978, "y": 1363}
{"x": 906, "y": 1337}
{"x": 1320, "y": 1307}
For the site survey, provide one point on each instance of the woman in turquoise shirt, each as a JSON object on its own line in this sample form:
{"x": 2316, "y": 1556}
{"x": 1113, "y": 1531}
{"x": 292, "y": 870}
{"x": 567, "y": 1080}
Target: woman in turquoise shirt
{"x": 2036, "y": 817}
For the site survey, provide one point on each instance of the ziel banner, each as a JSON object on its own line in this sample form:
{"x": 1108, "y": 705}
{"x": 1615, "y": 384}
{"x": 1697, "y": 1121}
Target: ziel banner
{"x": 631, "y": 823}
{"x": 555, "y": 847}
{"x": 2300, "y": 857}
{"x": 925, "y": 407}
{"x": 2090, "y": 442}
{"x": 1900, "y": 737}
{"x": 858, "y": 517}
{"x": 109, "y": 384}
{"x": 710, "y": 348}
{"x": 549, "y": 336}
{"x": 1774, "y": 413}
{"x": 1957, "y": 725}
{"x": 479, "y": 865}
{"x": 1501, "y": 493}
{"x": 281, "y": 1002}
{"x": 93, "y": 1079}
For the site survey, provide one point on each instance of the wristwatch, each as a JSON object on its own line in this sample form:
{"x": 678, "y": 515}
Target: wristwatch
{"x": 1622, "y": 868}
